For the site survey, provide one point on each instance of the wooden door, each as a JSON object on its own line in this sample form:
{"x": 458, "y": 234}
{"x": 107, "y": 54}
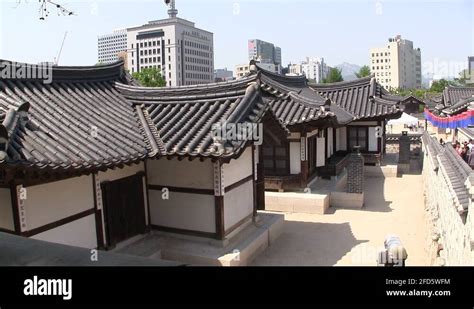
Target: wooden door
{"x": 124, "y": 206}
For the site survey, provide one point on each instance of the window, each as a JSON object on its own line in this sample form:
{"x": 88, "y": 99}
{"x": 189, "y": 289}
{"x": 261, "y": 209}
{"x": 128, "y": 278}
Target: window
{"x": 358, "y": 136}
{"x": 275, "y": 159}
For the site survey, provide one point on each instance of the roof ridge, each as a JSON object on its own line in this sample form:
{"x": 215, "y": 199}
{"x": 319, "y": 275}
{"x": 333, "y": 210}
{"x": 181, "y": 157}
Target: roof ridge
{"x": 345, "y": 83}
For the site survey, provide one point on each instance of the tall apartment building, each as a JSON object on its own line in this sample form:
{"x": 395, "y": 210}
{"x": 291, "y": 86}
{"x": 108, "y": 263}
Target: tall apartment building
{"x": 183, "y": 53}
{"x": 264, "y": 51}
{"x": 397, "y": 65}
{"x": 315, "y": 69}
{"x": 110, "y": 45}
{"x": 241, "y": 70}
{"x": 470, "y": 61}
{"x": 295, "y": 69}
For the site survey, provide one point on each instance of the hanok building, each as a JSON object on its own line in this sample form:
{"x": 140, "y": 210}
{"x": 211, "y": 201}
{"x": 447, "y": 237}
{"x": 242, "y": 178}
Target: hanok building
{"x": 326, "y": 121}
{"x": 451, "y": 111}
{"x": 91, "y": 160}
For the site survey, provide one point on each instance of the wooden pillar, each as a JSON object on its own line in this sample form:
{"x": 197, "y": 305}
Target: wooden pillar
{"x": 260, "y": 178}
{"x": 15, "y": 209}
{"x": 379, "y": 138}
{"x": 219, "y": 189}
{"x": 304, "y": 159}
{"x": 254, "y": 178}
{"x": 99, "y": 229}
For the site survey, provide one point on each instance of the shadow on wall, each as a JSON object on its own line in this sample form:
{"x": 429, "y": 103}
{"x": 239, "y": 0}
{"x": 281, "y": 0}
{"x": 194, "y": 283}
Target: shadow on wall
{"x": 310, "y": 244}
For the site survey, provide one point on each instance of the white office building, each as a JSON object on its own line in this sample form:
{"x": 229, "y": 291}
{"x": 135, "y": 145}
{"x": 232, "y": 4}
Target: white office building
{"x": 183, "y": 53}
{"x": 110, "y": 45}
{"x": 315, "y": 69}
{"x": 397, "y": 65}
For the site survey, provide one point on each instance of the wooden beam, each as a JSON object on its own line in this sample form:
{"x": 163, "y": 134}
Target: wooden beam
{"x": 182, "y": 189}
{"x": 183, "y": 231}
{"x": 58, "y": 223}
{"x": 239, "y": 183}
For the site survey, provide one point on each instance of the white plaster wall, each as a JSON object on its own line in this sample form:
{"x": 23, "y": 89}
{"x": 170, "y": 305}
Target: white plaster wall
{"x": 195, "y": 212}
{"x": 321, "y": 151}
{"x": 330, "y": 142}
{"x": 57, "y": 200}
{"x": 79, "y": 233}
{"x": 238, "y": 169}
{"x": 372, "y": 139}
{"x": 6, "y": 212}
{"x": 342, "y": 139}
{"x": 185, "y": 173}
{"x": 238, "y": 204}
{"x": 295, "y": 157}
{"x": 118, "y": 173}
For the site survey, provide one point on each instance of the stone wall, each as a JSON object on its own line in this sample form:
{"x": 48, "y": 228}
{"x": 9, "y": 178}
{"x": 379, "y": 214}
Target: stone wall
{"x": 449, "y": 191}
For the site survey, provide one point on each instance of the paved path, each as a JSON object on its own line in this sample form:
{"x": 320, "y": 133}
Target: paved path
{"x": 353, "y": 237}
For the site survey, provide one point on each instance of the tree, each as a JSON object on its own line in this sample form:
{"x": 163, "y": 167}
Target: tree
{"x": 333, "y": 76}
{"x": 363, "y": 72}
{"x": 150, "y": 77}
{"x": 439, "y": 85}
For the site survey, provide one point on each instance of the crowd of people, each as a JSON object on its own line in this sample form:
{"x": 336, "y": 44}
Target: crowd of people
{"x": 465, "y": 151}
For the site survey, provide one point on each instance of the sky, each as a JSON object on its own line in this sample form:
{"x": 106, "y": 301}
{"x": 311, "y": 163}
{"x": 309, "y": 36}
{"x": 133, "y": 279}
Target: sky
{"x": 339, "y": 31}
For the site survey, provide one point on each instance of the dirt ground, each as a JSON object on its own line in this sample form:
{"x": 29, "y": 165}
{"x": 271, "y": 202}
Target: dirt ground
{"x": 346, "y": 237}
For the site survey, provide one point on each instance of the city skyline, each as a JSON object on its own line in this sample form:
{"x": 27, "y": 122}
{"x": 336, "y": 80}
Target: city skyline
{"x": 234, "y": 22}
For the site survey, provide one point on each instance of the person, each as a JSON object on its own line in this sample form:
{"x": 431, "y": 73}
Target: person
{"x": 458, "y": 148}
{"x": 464, "y": 151}
{"x": 470, "y": 145}
{"x": 441, "y": 141}
{"x": 470, "y": 160}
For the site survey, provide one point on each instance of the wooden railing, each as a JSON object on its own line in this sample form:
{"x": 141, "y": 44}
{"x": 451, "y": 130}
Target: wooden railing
{"x": 335, "y": 167}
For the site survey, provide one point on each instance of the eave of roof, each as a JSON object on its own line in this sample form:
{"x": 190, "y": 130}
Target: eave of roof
{"x": 183, "y": 117}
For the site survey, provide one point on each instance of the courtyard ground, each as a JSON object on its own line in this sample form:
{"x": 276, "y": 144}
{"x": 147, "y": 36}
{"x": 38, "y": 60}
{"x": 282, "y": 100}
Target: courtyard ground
{"x": 350, "y": 237}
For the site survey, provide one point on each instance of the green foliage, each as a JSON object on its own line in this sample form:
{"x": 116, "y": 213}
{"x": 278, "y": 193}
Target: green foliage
{"x": 439, "y": 85}
{"x": 150, "y": 77}
{"x": 333, "y": 76}
{"x": 363, "y": 72}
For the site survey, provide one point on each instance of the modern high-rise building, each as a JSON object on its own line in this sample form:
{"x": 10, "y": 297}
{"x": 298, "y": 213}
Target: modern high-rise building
{"x": 470, "y": 61}
{"x": 264, "y": 51}
{"x": 397, "y": 65}
{"x": 110, "y": 45}
{"x": 223, "y": 75}
{"x": 183, "y": 53}
{"x": 315, "y": 69}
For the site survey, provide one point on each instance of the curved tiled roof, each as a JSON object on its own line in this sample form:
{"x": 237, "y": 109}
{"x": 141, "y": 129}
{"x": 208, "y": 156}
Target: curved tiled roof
{"x": 453, "y": 94}
{"x": 364, "y": 98}
{"x": 79, "y": 122}
{"x": 293, "y": 102}
{"x": 453, "y": 100}
{"x": 183, "y": 117}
